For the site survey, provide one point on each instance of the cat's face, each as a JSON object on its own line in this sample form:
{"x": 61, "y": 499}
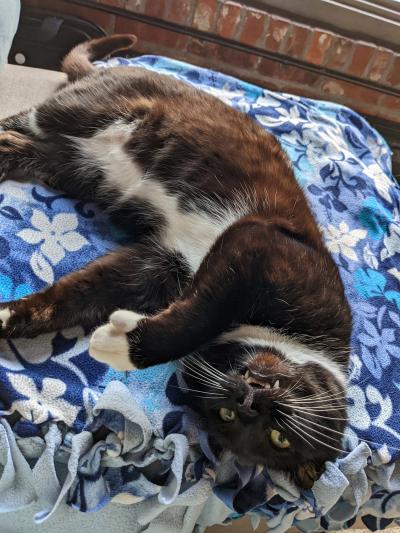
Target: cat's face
{"x": 272, "y": 412}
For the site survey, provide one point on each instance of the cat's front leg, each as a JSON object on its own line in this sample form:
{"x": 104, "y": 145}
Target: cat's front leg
{"x": 135, "y": 276}
{"x": 220, "y": 294}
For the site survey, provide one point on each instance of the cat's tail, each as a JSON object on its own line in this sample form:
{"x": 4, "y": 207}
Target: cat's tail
{"x": 78, "y": 63}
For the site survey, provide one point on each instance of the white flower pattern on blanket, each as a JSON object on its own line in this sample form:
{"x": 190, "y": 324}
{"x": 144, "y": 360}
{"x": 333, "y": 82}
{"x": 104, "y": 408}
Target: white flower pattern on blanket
{"x": 56, "y": 237}
{"x": 45, "y": 404}
{"x": 343, "y": 240}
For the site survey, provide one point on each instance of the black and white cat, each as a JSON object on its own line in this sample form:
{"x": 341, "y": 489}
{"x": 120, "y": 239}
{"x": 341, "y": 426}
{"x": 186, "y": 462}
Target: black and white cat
{"x": 229, "y": 270}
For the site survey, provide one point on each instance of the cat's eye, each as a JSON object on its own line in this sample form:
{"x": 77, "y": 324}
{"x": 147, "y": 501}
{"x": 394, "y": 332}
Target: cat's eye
{"x": 227, "y": 415}
{"x": 279, "y": 439}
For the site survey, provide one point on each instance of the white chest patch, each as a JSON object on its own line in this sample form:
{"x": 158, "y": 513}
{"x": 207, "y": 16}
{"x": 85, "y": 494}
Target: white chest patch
{"x": 190, "y": 233}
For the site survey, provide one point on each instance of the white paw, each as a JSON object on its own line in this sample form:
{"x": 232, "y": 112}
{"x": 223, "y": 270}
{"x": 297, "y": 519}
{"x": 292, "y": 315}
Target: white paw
{"x": 4, "y": 317}
{"x": 125, "y": 320}
{"x": 109, "y": 343}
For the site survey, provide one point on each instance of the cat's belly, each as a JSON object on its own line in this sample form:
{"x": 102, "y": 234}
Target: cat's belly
{"x": 190, "y": 232}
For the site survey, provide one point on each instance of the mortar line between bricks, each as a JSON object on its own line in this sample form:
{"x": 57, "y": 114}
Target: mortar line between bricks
{"x": 239, "y": 26}
{"x": 350, "y": 58}
{"x": 193, "y": 7}
{"x": 388, "y": 69}
{"x": 370, "y": 63}
{"x": 216, "y": 17}
{"x": 332, "y": 50}
{"x": 229, "y": 43}
{"x": 307, "y": 44}
{"x": 282, "y": 44}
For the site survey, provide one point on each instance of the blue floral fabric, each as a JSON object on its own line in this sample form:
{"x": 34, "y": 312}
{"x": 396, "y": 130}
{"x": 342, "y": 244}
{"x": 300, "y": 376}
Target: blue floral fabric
{"x": 344, "y": 168}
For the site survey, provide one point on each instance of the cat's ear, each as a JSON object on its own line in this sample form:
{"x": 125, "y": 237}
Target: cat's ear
{"x": 307, "y": 474}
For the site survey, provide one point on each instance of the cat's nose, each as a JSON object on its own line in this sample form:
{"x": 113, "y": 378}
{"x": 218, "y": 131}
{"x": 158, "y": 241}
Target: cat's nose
{"x": 253, "y": 403}
{"x": 262, "y": 403}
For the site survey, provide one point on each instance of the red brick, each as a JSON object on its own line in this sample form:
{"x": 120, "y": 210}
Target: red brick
{"x": 254, "y": 25}
{"x": 275, "y": 69}
{"x": 360, "y": 95}
{"x": 362, "y": 55}
{"x": 146, "y": 33}
{"x": 318, "y": 48}
{"x": 243, "y": 60}
{"x": 205, "y": 15}
{"x": 393, "y": 77}
{"x": 228, "y": 20}
{"x": 304, "y": 77}
{"x": 332, "y": 87}
{"x": 137, "y": 6}
{"x": 198, "y": 47}
{"x": 391, "y": 103}
{"x": 296, "y": 41}
{"x": 278, "y": 31}
{"x": 113, "y": 3}
{"x": 155, "y": 8}
{"x": 341, "y": 53}
{"x": 379, "y": 64}
{"x": 179, "y": 11}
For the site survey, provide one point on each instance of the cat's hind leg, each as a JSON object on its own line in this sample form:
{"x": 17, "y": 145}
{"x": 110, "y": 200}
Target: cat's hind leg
{"x": 21, "y": 155}
{"x": 141, "y": 277}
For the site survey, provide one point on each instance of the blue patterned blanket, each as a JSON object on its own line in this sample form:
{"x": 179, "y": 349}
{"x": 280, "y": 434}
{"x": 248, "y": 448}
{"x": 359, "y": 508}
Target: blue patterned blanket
{"x": 65, "y": 399}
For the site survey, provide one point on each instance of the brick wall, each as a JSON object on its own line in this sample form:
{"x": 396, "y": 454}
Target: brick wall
{"x": 260, "y": 47}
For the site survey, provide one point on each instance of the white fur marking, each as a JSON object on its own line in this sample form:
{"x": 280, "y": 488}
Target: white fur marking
{"x": 109, "y": 343}
{"x": 33, "y": 125}
{"x": 291, "y": 348}
{"x": 191, "y": 234}
{"x": 4, "y": 316}
{"x": 124, "y": 320}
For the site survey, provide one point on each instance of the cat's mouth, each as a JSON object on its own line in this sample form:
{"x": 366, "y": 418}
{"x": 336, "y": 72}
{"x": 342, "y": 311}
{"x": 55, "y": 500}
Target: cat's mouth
{"x": 259, "y": 381}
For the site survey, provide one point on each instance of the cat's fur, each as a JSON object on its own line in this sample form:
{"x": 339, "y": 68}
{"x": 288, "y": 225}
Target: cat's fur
{"x": 228, "y": 263}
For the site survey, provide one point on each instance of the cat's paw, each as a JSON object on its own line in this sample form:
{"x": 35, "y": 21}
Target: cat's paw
{"x": 11, "y": 323}
{"x": 13, "y": 142}
{"x": 109, "y": 344}
{"x": 5, "y": 315}
{"x": 12, "y": 145}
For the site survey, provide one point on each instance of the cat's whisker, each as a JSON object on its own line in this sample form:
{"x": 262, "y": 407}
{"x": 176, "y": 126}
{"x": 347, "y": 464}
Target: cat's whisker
{"x": 193, "y": 372}
{"x": 323, "y": 397}
{"x": 313, "y": 437}
{"x": 319, "y": 403}
{"x": 209, "y": 384}
{"x": 302, "y": 437}
{"x": 208, "y": 368}
{"x": 319, "y": 407}
{"x": 325, "y": 428}
{"x": 305, "y": 424}
{"x": 200, "y": 377}
{"x": 310, "y": 407}
{"x": 320, "y": 416}
{"x": 203, "y": 371}
{"x": 203, "y": 362}
{"x": 214, "y": 394}
{"x": 323, "y": 410}
{"x": 380, "y": 444}
{"x": 324, "y": 393}
{"x": 292, "y": 389}
{"x": 206, "y": 397}
{"x": 298, "y": 434}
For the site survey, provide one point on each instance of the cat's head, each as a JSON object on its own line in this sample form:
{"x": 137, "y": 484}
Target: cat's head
{"x": 271, "y": 408}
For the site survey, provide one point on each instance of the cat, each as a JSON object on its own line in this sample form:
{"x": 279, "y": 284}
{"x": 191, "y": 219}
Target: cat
{"x": 227, "y": 270}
